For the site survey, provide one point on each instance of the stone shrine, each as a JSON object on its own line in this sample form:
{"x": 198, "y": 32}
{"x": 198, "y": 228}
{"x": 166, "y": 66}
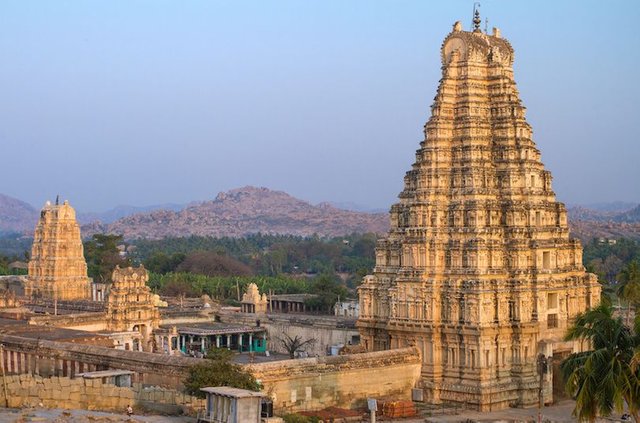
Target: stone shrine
{"x": 131, "y": 306}
{"x": 57, "y": 268}
{"x": 478, "y": 270}
{"x": 252, "y": 301}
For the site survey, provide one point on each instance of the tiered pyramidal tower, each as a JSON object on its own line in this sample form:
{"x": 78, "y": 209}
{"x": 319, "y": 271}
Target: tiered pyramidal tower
{"x": 478, "y": 270}
{"x": 57, "y": 269}
{"x": 131, "y": 306}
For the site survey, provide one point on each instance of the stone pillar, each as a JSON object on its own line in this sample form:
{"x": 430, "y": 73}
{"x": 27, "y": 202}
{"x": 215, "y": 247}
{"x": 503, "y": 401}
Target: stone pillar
{"x": 228, "y": 341}
{"x": 240, "y": 342}
{"x": 250, "y": 342}
{"x": 202, "y": 342}
{"x": 217, "y": 341}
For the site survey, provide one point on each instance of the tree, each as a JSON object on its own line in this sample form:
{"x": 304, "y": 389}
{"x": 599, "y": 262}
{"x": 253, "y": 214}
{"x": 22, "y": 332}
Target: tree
{"x": 327, "y": 290}
{"x": 629, "y": 290}
{"x": 602, "y": 380}
{"x": 180, "y": 288}
{"x": 295, "y": 344}
{"x": 160, "y": 262}
{"x": 211, "y": 263}
{"x": 102, "y": 255}
{"x": 218, "y": 370}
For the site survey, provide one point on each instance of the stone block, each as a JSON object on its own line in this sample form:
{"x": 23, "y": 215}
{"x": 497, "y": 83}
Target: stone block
{"x": 64, "y": 394}
{"x": 64, "y": 382}
{"x": 15, "y": 402}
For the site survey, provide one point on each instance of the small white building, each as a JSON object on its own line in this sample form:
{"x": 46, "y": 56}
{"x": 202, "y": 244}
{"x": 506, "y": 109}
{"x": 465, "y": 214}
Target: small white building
{"x": 231, "y": 405}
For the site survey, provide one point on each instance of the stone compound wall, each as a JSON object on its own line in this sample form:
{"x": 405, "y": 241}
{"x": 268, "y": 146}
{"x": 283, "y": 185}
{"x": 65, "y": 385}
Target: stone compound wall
{"x": 44, "y": 371}
{"x": 50, "y": 358}
{"x": 342, "y": 381}
{"x": 93, "y": 394}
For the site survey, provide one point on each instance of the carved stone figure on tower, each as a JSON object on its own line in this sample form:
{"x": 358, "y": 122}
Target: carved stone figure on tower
{"x": 498, "y": 262}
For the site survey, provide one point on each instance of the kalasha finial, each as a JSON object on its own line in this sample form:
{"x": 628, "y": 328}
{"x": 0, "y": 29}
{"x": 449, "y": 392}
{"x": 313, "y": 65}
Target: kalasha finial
{"x": 476, "y": 17}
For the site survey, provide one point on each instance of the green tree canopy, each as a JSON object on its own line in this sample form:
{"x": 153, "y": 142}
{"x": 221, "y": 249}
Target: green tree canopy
{"x": 218, "y": 370}
{"x": 102, "y": 256}
{"x": 602, "y": 380}
{"x": 629, "y": 288}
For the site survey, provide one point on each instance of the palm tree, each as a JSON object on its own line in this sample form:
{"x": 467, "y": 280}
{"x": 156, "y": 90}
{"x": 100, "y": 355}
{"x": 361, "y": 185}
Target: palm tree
{"x": 602, "y": 380}
{"x": 629, "y": 290}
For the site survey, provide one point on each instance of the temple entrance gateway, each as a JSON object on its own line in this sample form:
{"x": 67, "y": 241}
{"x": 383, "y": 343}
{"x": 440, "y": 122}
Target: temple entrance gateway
{"x": 478, "y": 270}
{"x": 559, "y": 392}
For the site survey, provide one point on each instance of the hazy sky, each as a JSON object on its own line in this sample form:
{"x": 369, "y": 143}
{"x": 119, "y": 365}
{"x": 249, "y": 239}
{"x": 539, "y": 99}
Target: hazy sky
{"x": 146, "y": 102}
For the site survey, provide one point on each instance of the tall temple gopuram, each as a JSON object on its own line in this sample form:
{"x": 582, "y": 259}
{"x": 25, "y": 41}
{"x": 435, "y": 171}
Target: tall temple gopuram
{"x": 478, "y": 270}
{"x": 57, "y": 268}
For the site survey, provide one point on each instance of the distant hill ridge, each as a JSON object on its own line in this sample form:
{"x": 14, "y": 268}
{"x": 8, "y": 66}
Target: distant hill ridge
{"x": 16, "y": 215}
{"x": 248, "y": 210}
{"x": 245, "y": 211}
{"x": 119, "y": 212}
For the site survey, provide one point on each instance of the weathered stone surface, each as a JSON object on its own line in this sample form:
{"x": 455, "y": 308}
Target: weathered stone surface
{"x": 57, "y": 393}
{"x": 343, "y": 381}
{"x": 57, "y": 268}
{"x": 478, "y": 270}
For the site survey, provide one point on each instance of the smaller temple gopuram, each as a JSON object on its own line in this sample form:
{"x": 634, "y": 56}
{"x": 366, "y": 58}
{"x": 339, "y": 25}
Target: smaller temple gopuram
{"x": 57, "y": 268}
{"x": 131, "y": 306}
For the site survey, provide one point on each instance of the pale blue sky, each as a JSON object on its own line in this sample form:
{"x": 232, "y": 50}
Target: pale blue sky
{"x": 144, "y": 102}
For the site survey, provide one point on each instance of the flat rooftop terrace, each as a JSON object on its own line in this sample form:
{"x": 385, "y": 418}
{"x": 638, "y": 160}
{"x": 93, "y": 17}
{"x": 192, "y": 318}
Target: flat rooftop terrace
{"x": 49, "y": 333}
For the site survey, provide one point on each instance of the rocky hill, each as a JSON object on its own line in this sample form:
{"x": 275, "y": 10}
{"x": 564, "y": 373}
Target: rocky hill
{"x": 630, "y": 216}
{"x": 586, "y": 230}
{"x": 586, "y": 223}
{"x": 119, "y": 212}
{"x": 16, "y": 215}
{"x": 245, "y": 211}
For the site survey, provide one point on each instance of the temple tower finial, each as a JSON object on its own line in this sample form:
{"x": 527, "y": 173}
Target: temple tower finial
{"x": 476, "y": 17}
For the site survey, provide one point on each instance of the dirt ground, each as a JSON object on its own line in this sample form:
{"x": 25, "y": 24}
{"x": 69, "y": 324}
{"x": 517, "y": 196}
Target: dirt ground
{"x": 80, "y": 416}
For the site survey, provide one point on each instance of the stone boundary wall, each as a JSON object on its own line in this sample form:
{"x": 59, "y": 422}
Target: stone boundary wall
{"x": 342, "y": 381}
{"x": 50, "y": 358}
{"x": 294, "y": 385}
{"x": 93, "y": 394}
